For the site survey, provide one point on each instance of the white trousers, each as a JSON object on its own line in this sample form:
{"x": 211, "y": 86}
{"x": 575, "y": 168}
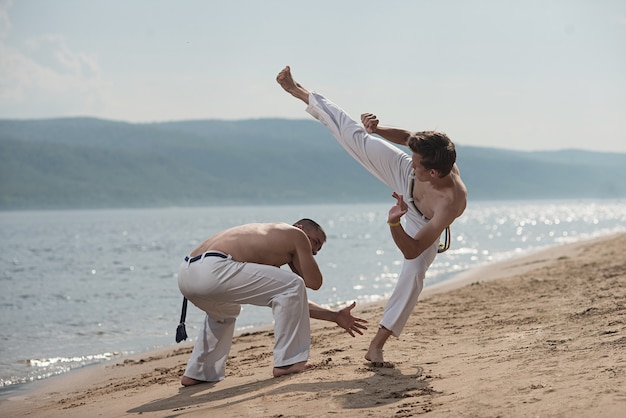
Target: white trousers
{"x": 391, "y": 166}
{"x": 219, "y": 286}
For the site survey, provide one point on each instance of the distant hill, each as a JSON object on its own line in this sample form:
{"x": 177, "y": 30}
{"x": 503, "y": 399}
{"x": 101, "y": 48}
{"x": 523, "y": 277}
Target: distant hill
{"x": 93, "y": 163}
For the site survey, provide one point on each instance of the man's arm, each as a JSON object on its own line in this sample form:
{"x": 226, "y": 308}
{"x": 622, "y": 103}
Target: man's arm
{"x": 396, "y": 135}
{"x": 294, "y": 269}
{"x": 343, "y": 317}
{"x": 412, "y": 247}
{"x": 303, "y": 262}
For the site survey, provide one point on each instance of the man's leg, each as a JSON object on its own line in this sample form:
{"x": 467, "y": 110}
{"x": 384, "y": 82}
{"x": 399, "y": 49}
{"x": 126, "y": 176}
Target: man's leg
{"x": 375, "y": 351}
{"x": 285, "y": 293}
{"x": 401, "y": 304}
{"x": 210, "y": 352}
{"x": 384, "y": 161}
{"x": 292, "y": 330}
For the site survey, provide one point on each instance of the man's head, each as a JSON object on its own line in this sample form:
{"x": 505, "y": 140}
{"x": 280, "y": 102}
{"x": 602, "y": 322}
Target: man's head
{"x": 436, "y": 149}
{"x": 314, "y": 231}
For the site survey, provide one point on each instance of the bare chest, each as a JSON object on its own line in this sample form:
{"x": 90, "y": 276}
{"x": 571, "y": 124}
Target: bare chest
{"x": 424, "y": 204}
{"x": 423, "y": 198}
{"x": 428, "y": 199}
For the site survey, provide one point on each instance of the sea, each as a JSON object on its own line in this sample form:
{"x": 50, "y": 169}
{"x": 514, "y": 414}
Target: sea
{"x": 82, "y": 287}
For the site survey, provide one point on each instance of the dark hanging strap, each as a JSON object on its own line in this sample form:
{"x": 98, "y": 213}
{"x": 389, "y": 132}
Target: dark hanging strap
{"x": 445, "y": 245}
{"x": 181, "y": 332}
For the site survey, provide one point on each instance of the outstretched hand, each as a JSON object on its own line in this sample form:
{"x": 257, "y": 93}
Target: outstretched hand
{"x": 350, "y": 323}
{"x": 398, "y": 210}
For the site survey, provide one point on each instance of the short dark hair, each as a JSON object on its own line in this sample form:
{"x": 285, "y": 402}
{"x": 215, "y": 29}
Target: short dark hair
{"x": 309, "y": 225}
{"x": 436, "y": 149}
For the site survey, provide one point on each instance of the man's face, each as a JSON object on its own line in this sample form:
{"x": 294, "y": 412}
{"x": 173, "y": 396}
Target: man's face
{"x": 422, "y": 173}
{"x": 317, "y": 240}
{"x": 418, "y": 168}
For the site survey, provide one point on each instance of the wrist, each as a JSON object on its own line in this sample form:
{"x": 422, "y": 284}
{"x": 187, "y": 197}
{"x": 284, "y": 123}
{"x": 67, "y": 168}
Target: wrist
{"x": 391, "y": 223}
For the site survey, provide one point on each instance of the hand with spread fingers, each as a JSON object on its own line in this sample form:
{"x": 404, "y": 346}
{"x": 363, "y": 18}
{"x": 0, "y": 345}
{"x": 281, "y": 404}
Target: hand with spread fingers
{"x": 350, "y": 323}
{"x": 398, "y": 210}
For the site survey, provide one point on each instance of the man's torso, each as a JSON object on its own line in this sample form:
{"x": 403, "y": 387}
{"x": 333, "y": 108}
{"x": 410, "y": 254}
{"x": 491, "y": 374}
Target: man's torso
{"x": 271, "y": 244}
{"x": 452, "y": 198}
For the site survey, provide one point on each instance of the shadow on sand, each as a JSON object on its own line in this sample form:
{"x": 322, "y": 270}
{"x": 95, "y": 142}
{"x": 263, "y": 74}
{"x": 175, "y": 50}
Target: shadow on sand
{"x": 381, "y": 387}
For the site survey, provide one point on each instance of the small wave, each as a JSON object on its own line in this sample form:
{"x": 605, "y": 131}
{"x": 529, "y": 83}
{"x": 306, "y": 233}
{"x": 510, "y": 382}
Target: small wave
{"x": 46, "y": 362}
{"x": 43, "y": 368}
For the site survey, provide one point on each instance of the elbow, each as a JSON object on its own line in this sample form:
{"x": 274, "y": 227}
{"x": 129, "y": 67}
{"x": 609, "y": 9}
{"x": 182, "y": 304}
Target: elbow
{"x": 411, "y": 252}
{"x": 410, "y": 255}
{"x": 315, "y": 285}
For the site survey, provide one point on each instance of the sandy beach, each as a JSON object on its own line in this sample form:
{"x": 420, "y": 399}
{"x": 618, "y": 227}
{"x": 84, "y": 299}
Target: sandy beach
{"x": 539, "y": 336}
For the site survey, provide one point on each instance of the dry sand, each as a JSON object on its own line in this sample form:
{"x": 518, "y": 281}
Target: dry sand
{"x": 543, "y": 335}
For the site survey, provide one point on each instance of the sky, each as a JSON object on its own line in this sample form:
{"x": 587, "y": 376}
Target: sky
{"x": 522, "y": 75}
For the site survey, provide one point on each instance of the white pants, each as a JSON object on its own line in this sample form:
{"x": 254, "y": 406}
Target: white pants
{"x": 219, "y": 286}
{"x": 392, "y": 167}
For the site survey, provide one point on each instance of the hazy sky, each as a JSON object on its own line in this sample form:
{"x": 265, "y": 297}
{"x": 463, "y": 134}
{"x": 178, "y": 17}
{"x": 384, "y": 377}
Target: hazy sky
{"x": 527, "y": 75}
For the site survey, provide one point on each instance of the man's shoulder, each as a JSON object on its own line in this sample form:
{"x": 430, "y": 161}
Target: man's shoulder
{"x": 259, "y": 228}
{"x": 267, "y": 225}
{"x": 451, "y": 204}
{"x": 282, "y": 229}
{"x": 458, "y": 190}
{"x": 281, "y": 226}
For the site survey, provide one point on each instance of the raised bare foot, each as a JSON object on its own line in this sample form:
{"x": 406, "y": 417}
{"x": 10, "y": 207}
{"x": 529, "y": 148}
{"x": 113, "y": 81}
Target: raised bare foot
{"x": 286, "y": 81}
{"x": 294, "y": 368}
{"x": 188, "y": 381}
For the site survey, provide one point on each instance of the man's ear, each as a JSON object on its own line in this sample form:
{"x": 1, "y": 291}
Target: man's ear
{"x": 298, "y": 226}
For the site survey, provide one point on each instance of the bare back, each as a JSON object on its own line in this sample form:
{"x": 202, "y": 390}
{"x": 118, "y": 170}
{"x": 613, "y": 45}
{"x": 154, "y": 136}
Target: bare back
{"x": 272, "y": 244}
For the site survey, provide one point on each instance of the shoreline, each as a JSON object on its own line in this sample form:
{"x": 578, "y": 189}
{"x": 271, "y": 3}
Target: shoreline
{"x": 515, "y": 265}
{"x": 148, "y": 382}
{"x": 459, "y": 280}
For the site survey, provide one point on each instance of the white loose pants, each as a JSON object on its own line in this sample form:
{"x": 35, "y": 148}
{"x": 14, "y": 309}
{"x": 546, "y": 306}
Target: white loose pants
{"x": 219, "y": 286}
{"x": 391, "y": 166}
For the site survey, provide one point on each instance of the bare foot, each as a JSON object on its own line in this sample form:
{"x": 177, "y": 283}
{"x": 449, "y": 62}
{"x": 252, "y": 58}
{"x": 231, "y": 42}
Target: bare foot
{"x": 188, "y": 381}
{"x": 375, "y": 356}
{"x": 382, "y": 364}
{"x": 294, "y": 368}
{"x": 286, "y": 81}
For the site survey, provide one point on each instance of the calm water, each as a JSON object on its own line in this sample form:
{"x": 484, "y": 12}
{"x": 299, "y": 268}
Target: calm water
{"x": 80, "y": 287}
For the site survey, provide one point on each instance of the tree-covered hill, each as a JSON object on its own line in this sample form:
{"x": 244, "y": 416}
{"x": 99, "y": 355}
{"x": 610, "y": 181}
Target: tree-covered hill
{"x": 93, "y": 163}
